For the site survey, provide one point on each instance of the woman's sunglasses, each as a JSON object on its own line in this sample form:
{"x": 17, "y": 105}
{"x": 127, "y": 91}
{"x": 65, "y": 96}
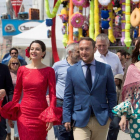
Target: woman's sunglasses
{"x": 15, "y": 63}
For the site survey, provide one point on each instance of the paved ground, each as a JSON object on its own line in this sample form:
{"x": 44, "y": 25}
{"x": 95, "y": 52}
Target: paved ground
{"x": 121, "y": 136}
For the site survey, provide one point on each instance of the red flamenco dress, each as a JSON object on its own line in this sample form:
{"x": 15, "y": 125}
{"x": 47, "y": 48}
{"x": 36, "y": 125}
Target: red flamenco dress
{"x": 33, "y": 112}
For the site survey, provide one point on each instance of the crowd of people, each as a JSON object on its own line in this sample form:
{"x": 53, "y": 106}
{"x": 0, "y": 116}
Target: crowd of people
{"x": 93, "y": 93}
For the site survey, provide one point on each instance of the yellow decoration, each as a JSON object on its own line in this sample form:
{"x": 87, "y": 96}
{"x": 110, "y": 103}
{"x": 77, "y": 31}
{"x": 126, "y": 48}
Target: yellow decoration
{"x": 65, "y": 36}
{"x": 127, "y": 39}
{"x": 110, "y": 30}
{"x": 91, "y": 20}
{"x": 64, "y": 11}
{"x": 96, "y": 18}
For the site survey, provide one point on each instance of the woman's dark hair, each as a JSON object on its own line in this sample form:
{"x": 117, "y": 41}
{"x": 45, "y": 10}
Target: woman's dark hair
{"x": 41, "y": 43}
{"x": 135, "y": 52}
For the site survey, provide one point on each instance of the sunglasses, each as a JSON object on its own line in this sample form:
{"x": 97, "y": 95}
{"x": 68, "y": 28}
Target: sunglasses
{"x": 14, "y": 53}
{"x": 15, "y": 63}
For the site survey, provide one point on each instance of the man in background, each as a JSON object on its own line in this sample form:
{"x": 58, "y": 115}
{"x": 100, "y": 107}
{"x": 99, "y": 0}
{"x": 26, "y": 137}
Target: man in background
{"x": 60, "y": 69}
{"x": 104, "y": 55}
{"x": 122, "y": 56}
{"x": 128, "y": 56}
{"x": 13, "y": 53}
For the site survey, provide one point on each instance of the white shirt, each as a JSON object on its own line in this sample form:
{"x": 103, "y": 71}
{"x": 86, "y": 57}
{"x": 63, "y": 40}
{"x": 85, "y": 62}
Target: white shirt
{"x": 111, "y": 59}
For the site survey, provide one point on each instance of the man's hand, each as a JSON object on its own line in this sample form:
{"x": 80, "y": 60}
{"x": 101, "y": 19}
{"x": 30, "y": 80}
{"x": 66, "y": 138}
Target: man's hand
{"x": 2, "y": 93}
{"x": 67, "y": 126}
{"x": 49, "y": 126}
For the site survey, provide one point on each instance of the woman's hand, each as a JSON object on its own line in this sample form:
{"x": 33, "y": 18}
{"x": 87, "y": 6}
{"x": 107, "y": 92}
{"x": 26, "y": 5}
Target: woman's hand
{"x": 49, "y": 126}
{"x": 2, "y": 93}
{"x": 11, "y": 124}
{"x": 122, "y": 123}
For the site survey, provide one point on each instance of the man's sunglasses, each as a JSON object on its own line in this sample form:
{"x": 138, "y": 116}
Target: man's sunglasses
{"x": 14, "y": 53}
{"x": 15, "y": 63}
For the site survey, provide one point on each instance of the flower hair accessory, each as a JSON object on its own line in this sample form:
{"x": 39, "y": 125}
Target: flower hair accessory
{"x": 27, "y": 52}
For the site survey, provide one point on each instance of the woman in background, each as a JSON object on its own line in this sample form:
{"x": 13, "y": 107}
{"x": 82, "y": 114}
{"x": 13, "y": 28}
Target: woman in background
{"x": 130, "y": 107}
{"x": 13, "y": 66}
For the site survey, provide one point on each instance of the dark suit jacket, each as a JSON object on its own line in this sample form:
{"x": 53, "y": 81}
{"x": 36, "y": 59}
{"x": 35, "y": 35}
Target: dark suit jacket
{"x": 6, "y": 82}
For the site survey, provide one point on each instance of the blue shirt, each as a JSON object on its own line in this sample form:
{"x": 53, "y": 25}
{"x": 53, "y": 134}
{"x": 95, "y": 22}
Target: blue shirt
{"x": 60, "y": 69}
{"x": 92, "y": 68}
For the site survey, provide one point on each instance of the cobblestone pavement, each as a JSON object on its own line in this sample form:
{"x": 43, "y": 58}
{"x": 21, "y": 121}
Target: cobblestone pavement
{"x": 121, "y": 136}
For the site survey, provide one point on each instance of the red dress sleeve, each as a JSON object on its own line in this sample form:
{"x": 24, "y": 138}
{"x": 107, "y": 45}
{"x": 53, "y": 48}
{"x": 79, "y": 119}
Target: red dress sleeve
{"x": 10, "y": 110}
{"x": 52, "y": 113}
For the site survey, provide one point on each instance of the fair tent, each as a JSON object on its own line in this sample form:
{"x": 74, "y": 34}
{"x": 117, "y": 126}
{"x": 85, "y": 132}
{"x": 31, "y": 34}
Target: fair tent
{"x": 24, "y": 39}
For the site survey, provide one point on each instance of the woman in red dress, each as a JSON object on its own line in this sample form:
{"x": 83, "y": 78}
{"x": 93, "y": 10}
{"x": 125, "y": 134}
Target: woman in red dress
{"x": 34, "y": 117}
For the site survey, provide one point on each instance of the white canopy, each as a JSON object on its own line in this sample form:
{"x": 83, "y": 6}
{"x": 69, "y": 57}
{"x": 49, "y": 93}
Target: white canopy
{"x": 24, "y": 39}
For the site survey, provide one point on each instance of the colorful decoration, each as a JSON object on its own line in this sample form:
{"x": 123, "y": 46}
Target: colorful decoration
{"x": 80, "y": 28}
{"x": 76, "y": 25}
{"x": 64, "y": 15}
{"x": 55, "y": 9}
{"x": 105, "y": 19}
{"x": 48, "y": 33}
{"x": 49, "y": 22}
{"x": 118, "y": 20}
{"x": 91, "y": 20}
{"x": 85, "y": 29}
{"x": 123, "y": 22}
{"x": 77, "y": 20}
{"x": 105, "y": 14}
{"x": 104, "y": 2}
{"x": 127, "y": 39}
{"x": 110, "y": 30}
{"x": 135, "y": 33}
{"x": 135, "y": 1}
{"x": 70, "y": 26}
{"x": 76, "y": 36}
{"x": 96, "y": 18}
{"x": 79, "y": 2}
{"x": 135, "y": 17}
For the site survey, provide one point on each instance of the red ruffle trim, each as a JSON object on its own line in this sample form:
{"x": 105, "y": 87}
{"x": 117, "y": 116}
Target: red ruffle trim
{"x": 52, "y": 115}
{"x": 10, "y": 110}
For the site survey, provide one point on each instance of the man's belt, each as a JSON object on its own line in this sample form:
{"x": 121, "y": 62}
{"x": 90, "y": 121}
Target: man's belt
{"x": 60, "y": 99}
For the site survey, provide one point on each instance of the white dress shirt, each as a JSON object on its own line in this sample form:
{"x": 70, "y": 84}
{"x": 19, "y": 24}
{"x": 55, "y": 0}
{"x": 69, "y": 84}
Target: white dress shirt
{"x": 111, "y": 59}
